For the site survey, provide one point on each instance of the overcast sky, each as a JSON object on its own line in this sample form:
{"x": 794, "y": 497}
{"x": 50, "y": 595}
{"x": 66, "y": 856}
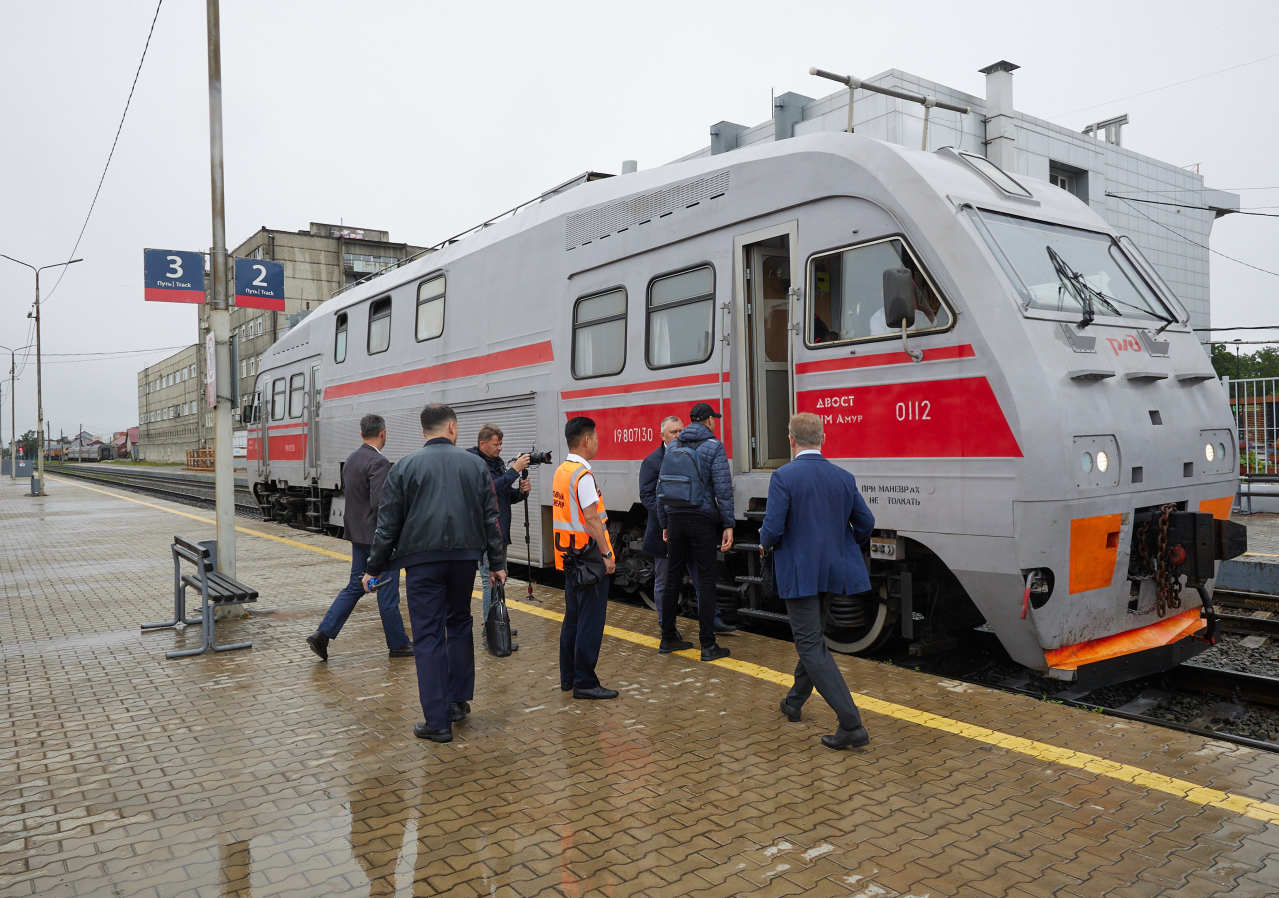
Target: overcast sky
{"x": 425, "y": 118}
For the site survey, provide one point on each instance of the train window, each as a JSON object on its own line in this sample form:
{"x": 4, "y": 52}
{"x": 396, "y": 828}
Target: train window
{"x": 379, "y": 325}
{"x": 599, "y": 334}
{"x": 297, "y": 391}
{"x": 846, "y": 294}
{"x": 681, "y": 318}
{"x": 430, "y": 308}
{"x": 277, "y": 399}
{"x": 339, "y": 339}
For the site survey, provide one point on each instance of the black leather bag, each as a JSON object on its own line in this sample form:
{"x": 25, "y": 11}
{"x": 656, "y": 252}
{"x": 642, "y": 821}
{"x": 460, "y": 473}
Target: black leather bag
{"x": 497, "y": 626}
{"x": 584, "y": 567}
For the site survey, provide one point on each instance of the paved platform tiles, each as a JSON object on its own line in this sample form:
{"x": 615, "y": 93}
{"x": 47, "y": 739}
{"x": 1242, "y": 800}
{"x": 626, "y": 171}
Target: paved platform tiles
{"x": 265, "y": 772}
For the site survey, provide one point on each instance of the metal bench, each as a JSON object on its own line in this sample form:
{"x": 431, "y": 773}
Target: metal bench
{"x": 216, "y": 590}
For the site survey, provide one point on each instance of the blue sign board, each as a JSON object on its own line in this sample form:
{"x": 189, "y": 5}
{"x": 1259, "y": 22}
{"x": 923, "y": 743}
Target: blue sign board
{"x": 259, "y": 284}
{"x": 172, "y": 275}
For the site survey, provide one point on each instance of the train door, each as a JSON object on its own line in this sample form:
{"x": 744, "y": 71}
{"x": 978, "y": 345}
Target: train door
{"x": 765, "y": 262}
{"x": 313, "y": 425}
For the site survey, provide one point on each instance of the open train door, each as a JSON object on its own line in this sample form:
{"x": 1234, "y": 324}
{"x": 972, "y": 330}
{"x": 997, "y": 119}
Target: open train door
{"x": 763, "y": 264}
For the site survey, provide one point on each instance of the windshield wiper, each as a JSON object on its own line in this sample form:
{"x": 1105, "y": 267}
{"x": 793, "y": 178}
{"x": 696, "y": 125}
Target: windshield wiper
{"x": 1087, "y": 295}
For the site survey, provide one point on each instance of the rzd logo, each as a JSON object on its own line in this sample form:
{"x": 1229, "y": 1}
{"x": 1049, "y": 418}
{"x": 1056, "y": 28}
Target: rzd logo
{"x": 1127, "y": 344}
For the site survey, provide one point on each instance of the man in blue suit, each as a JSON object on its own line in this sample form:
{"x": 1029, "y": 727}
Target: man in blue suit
{"x": 816, "y": 519}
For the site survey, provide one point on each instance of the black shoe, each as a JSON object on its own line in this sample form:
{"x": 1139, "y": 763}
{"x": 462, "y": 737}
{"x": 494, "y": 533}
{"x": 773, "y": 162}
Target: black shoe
{"x": 714, "y": 652}
{"x": 406, "y": 652}
{"x": 678, "y": 644}
{"x": 843, "y": 738}
{"x": 598, "y": 692}
{"x": 792, "y": 713}
{"x": 420, "y": 730}
{"x": 459, "y": 711}
{"x": 319, "y": 644}
{"x": 566, "y": 687}
{"x": 514, "y": 633}
{"x": 724, "y": 627}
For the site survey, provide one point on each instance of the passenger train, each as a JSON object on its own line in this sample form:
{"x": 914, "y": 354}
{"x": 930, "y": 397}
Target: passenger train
{"x": 1045, "y": 446}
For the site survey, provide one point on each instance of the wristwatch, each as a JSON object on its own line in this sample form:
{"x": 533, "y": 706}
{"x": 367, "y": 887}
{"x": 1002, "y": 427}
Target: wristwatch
{"x": 606, "y": 554}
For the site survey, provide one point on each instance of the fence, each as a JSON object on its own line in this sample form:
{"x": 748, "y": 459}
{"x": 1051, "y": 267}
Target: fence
{"x": 1255, "y": 404}
{"x": 201, "y": 459}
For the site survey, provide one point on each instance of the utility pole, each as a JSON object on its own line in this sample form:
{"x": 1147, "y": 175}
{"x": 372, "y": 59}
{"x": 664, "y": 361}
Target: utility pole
{"x": 219, "y": 312}
{"x": 37, "y": 485}
{"x": 13, "y": 421}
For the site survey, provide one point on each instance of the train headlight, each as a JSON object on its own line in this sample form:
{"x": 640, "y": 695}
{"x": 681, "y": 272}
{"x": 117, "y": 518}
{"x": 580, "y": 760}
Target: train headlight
{"x": 1099, "y": 462}
{"x": 1103, "y": 461}
{"x": 1085, "y": 462}
{"x": 1210, "y": 452}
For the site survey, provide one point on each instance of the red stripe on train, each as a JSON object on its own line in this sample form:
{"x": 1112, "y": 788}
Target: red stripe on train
{"x": 931, "y": 419}
{"x": 693, "y": 380}
{"x": 521, "y": 356}
{"x": 286, "y": 447}
{"x": 938, "y": 354}
{"x": 630, "y": 433}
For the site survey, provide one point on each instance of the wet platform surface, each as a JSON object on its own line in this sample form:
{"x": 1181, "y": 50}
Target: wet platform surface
{"x": 265, "y": 772}
{"x": 1258, "y": 569}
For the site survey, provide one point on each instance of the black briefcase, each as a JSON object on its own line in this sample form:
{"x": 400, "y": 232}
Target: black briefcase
{"x": 497, "y": 627}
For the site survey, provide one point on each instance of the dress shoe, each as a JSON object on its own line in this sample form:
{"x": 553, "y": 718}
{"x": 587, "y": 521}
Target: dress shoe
{"x": 319, "y": 644}
{"x": 678, "y": 644}
{"x": 459, "y": 711}
{"x": 843, "y": 738}
{"x": 792, "y": 712}
{"x": 420, "y": 730}
{"x": 714, "y": 652}
{"x": 597, "y": 692}
{"x": 566, "y": 687}
{"x": 721, "y": 626}
{"x": 406, "y": 652}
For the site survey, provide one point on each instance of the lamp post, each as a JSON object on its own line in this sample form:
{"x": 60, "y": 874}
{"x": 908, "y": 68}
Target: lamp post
{"x": 37, "y": 486}
{"x": 13, "y": 432}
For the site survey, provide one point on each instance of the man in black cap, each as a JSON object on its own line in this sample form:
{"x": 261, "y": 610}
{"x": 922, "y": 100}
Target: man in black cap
{"x": 695, "y": 510}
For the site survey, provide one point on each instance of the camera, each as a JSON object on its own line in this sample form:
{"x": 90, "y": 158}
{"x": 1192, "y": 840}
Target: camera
{"x": 535, "y": 458}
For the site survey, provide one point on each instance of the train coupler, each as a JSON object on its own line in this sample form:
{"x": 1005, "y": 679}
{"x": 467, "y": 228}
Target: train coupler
{"x": 1209, "y": 613}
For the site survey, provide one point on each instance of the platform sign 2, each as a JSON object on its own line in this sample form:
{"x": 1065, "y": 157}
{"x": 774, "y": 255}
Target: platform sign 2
{"x": 259, "y": 284}
{"x": 173, "y": 275}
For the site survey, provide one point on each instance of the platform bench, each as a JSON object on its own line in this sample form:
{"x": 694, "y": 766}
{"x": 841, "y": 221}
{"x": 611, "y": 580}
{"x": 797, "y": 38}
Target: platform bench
{"x": 216, "y": 590}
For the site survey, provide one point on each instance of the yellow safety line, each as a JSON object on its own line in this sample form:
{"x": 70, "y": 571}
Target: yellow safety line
{"x": 1137, "y": 776}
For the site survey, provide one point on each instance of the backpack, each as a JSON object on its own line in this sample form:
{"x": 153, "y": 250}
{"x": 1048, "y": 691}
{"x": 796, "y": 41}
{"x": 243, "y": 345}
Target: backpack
{"x": 679, "y": 482}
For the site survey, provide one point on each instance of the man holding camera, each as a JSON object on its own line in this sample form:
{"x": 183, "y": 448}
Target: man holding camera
{"x": 511, "y": 486}
{"x": 438, "y": 516}
{"x": 584, "y": 552}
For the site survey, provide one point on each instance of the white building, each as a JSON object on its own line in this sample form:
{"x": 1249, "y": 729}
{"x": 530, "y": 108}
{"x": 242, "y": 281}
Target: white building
{"x": 1094, "y": 166}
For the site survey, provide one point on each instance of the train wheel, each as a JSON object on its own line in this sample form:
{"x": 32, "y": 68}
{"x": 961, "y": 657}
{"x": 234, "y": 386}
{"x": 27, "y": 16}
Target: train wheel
{"x": 858, "y": 624}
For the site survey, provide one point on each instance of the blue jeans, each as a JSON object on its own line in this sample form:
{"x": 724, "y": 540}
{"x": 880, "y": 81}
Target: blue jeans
{"x": 443, "y": 646}
{"x": 388, "y": 602}
{"x": 582, "y": 633}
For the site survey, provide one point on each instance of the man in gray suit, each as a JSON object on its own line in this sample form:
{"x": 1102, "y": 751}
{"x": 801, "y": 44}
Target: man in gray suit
{"x": 363, "y": 476}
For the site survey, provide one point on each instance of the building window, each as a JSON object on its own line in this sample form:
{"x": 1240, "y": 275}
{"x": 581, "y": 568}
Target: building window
{"x": 244, "y": 367}
{"x": 681, "y": 317}
{"x": 277, "y": 399}
{"x": 260, "y": 317}
{"x": 430, "y": 308}
{"x": 846, "y": 294}
{"x": 599, "y": 334}
{"x": 193, "y": 370}
{"x": 339, "y": 339}
{"x": 379, "y": 325}
{"x": 1068, "y": 178}
{"x": 297, "y": 389}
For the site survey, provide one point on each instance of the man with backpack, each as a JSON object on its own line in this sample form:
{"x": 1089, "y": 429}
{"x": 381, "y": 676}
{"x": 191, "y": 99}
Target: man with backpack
{"x": 695, "y": 511}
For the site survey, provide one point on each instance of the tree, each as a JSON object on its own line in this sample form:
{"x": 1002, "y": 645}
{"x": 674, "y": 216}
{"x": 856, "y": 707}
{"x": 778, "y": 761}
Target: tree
{"x": 1240, "y": 365}
{"x": 27, "y": 443}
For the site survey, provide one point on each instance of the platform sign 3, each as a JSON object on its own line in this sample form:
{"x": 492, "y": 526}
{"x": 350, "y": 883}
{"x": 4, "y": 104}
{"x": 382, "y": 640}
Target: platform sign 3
{"x": 259, "y": 284}
{"x": 172, "y": 275}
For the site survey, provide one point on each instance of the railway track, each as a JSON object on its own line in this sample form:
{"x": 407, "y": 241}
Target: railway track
{"x": 185, "y": 488}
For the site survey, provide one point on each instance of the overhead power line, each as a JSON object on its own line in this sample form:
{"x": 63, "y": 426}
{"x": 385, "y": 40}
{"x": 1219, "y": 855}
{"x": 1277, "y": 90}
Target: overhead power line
{"x": 1142, "y": 213}
{"x": 1242, "y": 327}
{"x": 111, "y": 154}
{"x": 1135, "y": 199}
{"x": 1170, "y": 85}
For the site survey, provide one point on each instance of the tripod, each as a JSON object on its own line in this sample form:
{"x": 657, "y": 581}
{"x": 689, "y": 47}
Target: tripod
{"x": 528, "y": 540}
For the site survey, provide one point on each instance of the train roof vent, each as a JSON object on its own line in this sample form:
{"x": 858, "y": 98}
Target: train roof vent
{"x": 589, "y": 225}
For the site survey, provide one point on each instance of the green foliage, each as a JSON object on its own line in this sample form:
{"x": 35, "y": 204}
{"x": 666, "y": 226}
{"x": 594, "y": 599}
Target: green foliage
{"x": 1240, "y": 365}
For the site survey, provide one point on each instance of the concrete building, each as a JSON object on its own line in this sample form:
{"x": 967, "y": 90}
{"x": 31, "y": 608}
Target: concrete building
{"x": 1093, "y": 164}
{"x": 317, "y": 261}
{"x": 171, "y": 406}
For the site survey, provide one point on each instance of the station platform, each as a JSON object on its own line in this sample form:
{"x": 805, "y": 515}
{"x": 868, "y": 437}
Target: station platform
{"x": 1258, "y": 569}
{"x": 266, "y": 772}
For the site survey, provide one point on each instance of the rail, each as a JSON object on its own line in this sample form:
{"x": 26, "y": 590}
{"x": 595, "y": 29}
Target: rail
{"x": 191, "y": 489}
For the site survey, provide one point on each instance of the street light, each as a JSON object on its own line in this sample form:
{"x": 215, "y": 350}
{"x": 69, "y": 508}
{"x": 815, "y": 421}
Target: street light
{"x": 13, "y": 432}
{"x": 37, "y": 486}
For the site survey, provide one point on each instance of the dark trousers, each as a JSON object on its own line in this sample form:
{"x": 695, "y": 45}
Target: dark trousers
{"x": 816, "y": 667}
{"x": 581, "y": 634}
{"x": 443, "y": 647}
{"x": 692, "y": 541}
{"x": 388, "y": 602}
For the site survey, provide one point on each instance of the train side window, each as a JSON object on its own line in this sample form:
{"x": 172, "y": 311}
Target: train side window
{"x": 681, "y": 318}
{"x": 379, "y": 325}
{"x": 430, "y": 308}
{"x": 846, "y": 294}
{"x": 297, "y": 391}
{"x": 277, "y": 399}
{"x": 339, "y": 339}
{"x": 599, "y": 334}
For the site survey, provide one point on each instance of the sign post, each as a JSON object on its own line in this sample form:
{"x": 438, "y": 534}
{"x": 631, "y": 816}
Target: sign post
{"x": 259, "y": 284}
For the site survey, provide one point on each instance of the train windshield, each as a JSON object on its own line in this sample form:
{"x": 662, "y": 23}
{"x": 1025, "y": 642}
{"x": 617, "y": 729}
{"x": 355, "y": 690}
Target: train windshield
{"x": 1063, "y": 269}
